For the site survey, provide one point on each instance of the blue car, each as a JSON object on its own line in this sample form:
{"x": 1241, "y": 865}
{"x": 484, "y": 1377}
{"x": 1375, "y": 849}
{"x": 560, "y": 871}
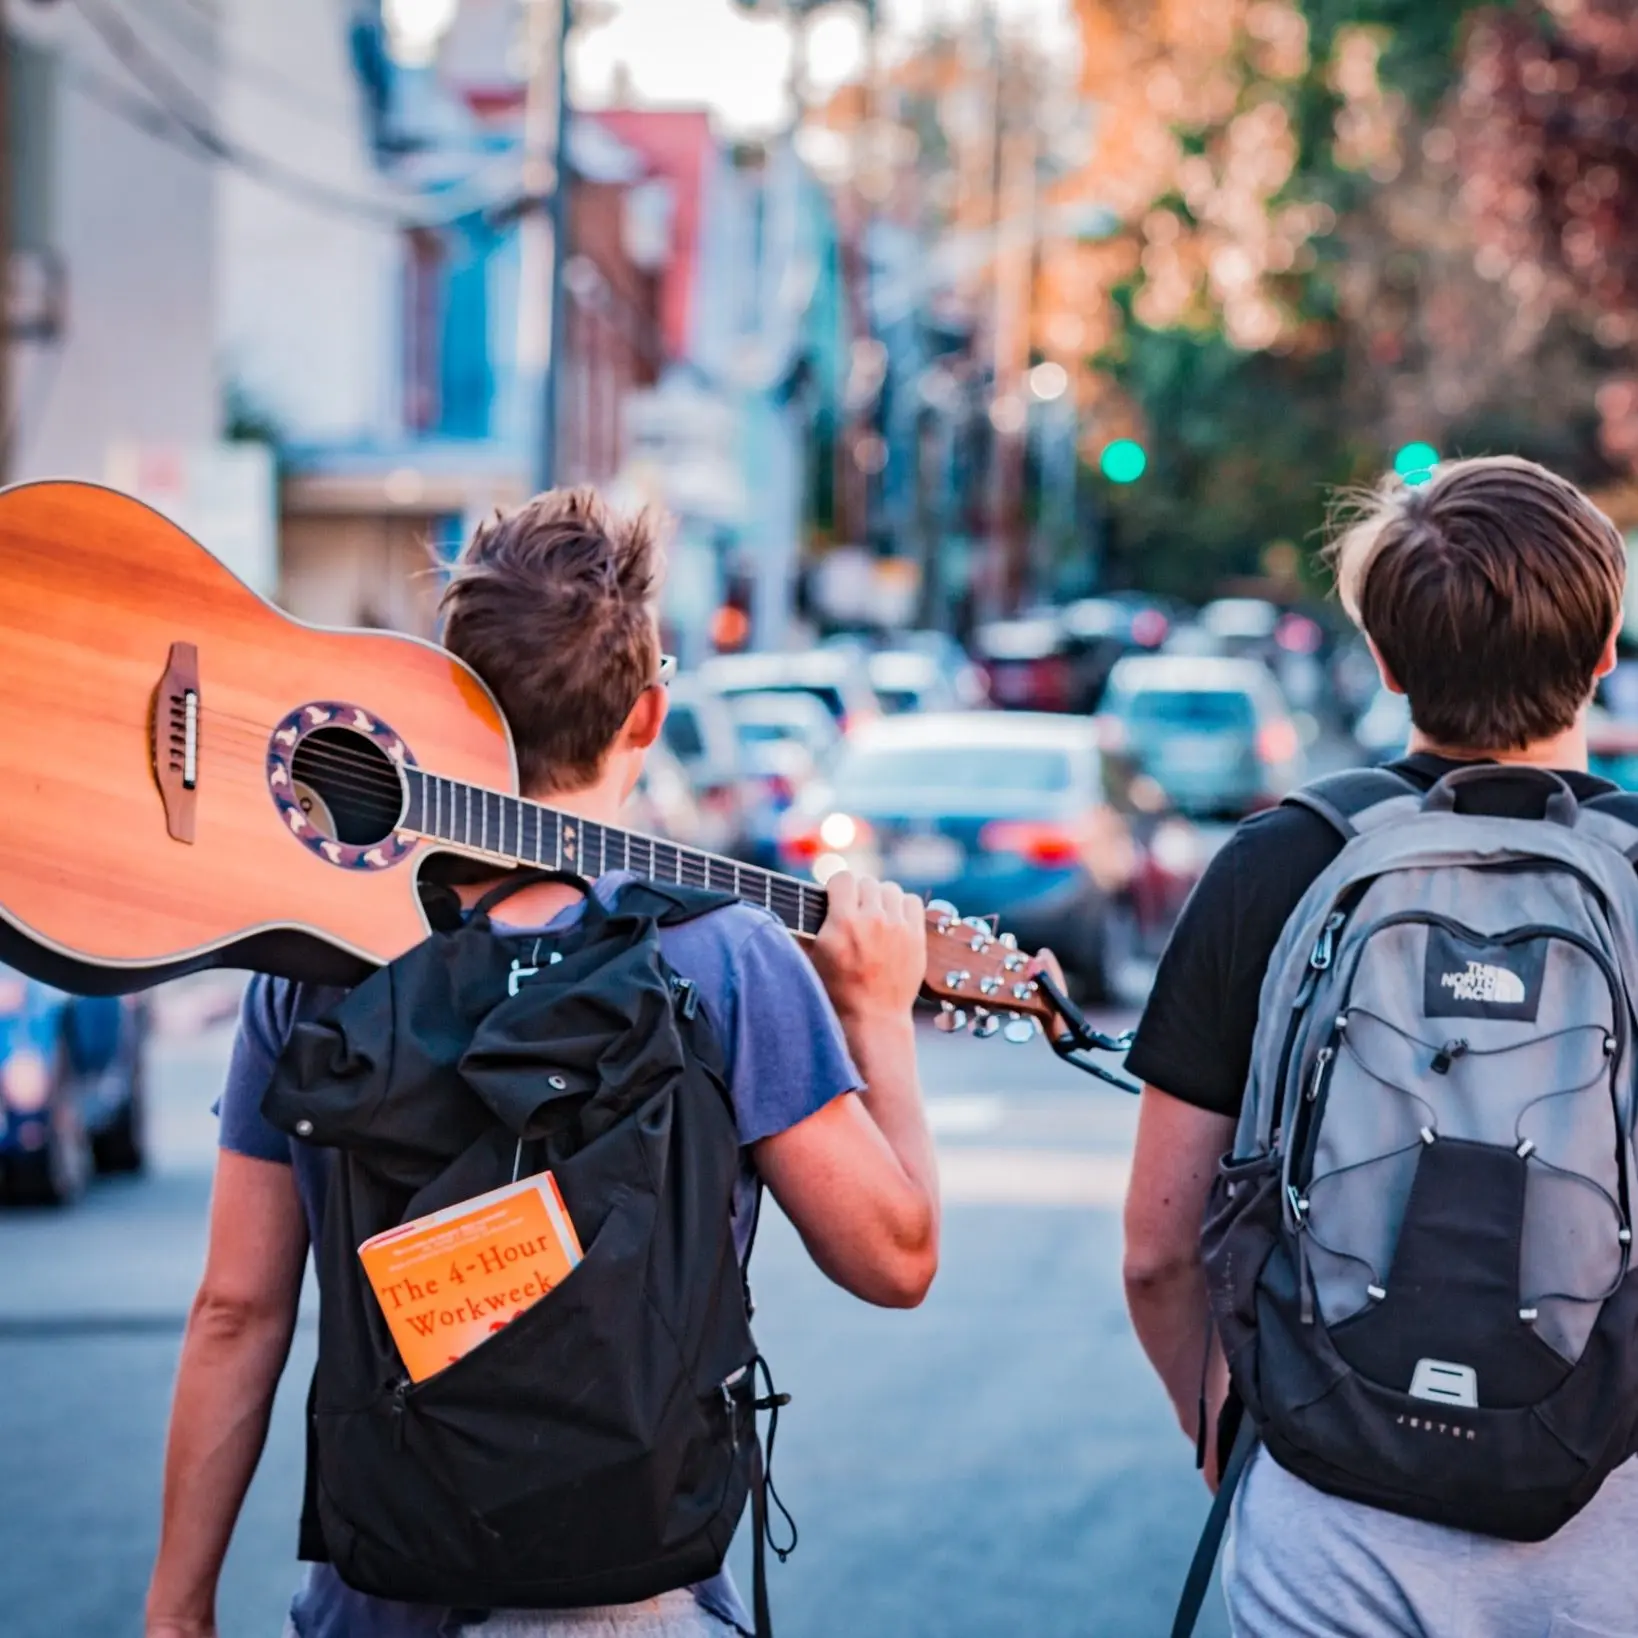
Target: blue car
{"x": 1000, "y": 813}
{"x": 71, "y": 1089}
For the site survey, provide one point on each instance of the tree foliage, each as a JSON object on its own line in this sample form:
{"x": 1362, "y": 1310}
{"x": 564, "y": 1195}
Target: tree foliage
{"x": 1450, "y": 253}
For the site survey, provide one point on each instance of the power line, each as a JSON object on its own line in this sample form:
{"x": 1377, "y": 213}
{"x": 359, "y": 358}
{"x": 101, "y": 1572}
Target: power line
{"x": 179, "y": 116}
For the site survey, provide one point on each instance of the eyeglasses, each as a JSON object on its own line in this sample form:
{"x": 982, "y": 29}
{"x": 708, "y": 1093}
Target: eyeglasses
{"x": 662, "y": 677}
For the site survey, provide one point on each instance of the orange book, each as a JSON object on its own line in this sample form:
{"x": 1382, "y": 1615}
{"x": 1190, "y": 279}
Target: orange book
{"x": 448, "y": 1281}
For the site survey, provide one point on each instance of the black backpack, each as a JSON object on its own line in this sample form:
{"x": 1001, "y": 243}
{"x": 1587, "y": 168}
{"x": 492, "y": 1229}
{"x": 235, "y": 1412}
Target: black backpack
{"x": 599, "y": 1449}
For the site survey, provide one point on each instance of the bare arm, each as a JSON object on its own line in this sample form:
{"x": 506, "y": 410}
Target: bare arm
{"x": 859, "y": 1178}
{"x": 1178, "y": 1147}
{"x": 233, "y": 1352}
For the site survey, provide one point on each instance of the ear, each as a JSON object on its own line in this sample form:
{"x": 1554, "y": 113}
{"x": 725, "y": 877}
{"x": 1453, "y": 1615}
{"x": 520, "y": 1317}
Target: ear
{"x": 1607, "y": 660}
{"x": 644, "y": 721}
{"x": 1389, "y": 681}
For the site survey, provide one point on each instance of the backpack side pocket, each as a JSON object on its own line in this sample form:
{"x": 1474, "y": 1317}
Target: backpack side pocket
{"x": 1241, "y": 1228}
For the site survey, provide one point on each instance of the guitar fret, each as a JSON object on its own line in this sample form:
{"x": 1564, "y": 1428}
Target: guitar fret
{"x": 524, "y": 832}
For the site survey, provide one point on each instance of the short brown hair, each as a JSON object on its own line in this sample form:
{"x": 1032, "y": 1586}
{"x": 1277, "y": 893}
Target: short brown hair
{"x": 553, "y": 606}
{"x": 1490, "y": 591}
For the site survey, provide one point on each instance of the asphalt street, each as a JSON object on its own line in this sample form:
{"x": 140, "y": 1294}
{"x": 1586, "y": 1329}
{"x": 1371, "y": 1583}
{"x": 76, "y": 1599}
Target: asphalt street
{"x": 999, "y": 1462}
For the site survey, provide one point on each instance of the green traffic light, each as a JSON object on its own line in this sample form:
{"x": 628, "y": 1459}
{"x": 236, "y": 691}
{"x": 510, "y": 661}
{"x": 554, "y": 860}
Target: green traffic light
{"x": 1415, "y": 462}
{"x": 1123, "y": 461}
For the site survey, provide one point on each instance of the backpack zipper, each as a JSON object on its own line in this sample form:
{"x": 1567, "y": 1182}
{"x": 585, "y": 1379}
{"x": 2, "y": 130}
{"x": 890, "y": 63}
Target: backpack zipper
{"x": 1302, "y": 1171}
{"x": 1319, "y": 960}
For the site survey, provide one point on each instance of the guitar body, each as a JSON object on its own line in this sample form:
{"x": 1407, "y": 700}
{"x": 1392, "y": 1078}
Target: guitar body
{"x": 190, "y": 779}
{"x": 153, "y": 821}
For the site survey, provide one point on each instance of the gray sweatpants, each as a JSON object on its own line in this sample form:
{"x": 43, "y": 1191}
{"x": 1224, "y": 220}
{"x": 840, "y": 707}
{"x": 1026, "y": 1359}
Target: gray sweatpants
{"x": 1308, "y": 1565}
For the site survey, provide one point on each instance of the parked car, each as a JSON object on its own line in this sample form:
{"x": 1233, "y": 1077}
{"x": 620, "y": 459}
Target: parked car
{"x": 833, "y": 676}
{"x": 699, "y": 732}
{"x": 998, "y": 814}
{"x": 71, "y": 1089}
{"x": 783, "y": 740}
{"x": 1214, "y": 733}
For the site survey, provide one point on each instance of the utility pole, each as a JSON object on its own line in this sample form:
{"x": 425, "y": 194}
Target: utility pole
{"x": 544, "y": 228}
{"x": 853, "y": 483}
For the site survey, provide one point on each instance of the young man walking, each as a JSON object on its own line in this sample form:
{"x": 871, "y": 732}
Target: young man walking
{"x": 1491, "y": 596}
{"x": 553, "y": 606}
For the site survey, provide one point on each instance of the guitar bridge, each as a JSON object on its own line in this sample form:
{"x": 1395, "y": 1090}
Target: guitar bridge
{"x": 176, "y": 740}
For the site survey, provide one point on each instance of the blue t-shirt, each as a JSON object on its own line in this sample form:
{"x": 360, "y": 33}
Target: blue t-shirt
{"x": 786, "y": 1059}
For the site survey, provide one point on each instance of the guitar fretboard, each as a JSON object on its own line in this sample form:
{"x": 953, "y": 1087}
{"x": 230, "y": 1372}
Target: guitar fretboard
{"x": 523, "y": 832}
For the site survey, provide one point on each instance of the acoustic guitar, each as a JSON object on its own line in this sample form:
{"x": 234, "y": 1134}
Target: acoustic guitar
{"x": 193, "y": 779}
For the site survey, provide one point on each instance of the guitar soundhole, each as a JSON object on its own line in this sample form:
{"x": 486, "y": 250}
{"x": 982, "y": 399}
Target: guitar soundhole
{"x": 348, "y": 787}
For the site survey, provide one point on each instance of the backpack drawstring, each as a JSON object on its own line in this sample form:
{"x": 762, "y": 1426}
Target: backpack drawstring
{"x": 773, "y": 1402}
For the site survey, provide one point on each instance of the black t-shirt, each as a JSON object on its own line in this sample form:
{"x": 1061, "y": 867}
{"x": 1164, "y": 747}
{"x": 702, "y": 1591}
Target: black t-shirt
{"x": 1195, "y": 1037}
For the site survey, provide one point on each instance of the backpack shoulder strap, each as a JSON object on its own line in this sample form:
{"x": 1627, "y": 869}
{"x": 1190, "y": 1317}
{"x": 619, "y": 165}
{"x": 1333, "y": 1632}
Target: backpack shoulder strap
{"x": 1198, "y": 1580}
{"x": 669, "y": 906}
{"x": 1617, "y": 820}
{"x": 1341, "y": 798}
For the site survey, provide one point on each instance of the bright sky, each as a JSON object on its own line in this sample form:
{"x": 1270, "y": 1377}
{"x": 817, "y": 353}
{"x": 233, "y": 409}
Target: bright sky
{"x": 710, "y": 51}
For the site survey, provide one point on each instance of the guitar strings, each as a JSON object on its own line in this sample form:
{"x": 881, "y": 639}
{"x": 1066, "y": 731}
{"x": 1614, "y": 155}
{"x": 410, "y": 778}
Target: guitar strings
{"x": 363, "y": 775}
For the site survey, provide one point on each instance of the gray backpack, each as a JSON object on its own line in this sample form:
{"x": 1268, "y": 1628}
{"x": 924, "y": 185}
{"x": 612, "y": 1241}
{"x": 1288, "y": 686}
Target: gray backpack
{"x": 1419, "y": 1252}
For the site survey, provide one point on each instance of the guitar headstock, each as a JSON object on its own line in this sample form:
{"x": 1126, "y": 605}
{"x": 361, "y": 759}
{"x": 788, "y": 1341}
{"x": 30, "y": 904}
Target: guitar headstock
{"x": 977, "y": 975}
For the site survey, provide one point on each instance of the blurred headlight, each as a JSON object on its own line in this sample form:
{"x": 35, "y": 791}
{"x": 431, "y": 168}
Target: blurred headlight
{"x": 838, "y": 831}
{"x": 25, "y": 1078}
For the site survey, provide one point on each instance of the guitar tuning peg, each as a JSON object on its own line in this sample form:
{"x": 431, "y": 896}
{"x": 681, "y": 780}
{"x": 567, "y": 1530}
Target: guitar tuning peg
{"x": 985, "y": 1024}
{"x": 943, "y": 907}
{"x": 1019, "y": 1029}
{"x": 950, "y": 1020}
{"x": 1009, "y": 941}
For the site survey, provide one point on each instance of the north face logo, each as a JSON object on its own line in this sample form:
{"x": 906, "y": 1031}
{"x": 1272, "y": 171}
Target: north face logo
{"x": 1479, "y": 981}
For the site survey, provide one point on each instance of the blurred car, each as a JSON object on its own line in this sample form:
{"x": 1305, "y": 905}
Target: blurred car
{"x": 1026, "y": 663}
{"x": 833, "y": 676}
{"x": 71, "y": 1089}
{"x": 663, "y": 802}
{"x": 965, "y": 679}
{"x": 1214, "y": 733}
{"x": 1384, "y": 726}
{"x": 783, "y": 740}
{"x": 699, "y": 732}
{"x": 998, "y": 814}
{"x": 1243, "y": 625}
{"x": 905, "y": 680}
{"x": 1099, "y": 631}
